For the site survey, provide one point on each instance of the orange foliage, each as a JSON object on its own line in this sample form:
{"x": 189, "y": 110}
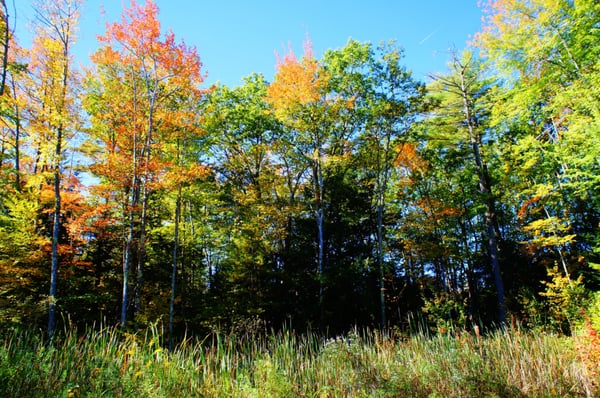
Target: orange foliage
{"x": 136, "y": 42}
{"x": 437, "y": 209}
{"x": 180, "y": 175}
{"x": 524, "y": 209}
{"x": 409, "y": 158}
{"x": 148, "y": 83}
{"x": 297, "y": 82}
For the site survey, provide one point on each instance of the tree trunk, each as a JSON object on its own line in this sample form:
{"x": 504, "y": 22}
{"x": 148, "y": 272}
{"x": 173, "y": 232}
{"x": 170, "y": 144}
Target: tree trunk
{"x": 318, "y": 176}
{"x": 17, "y": 142}
{"x": 141, "y": 255}
{"x": 383, "y": 170}
{"x": 128, "y": 247}
{"x": 5, "y": 46}
{"x": 126, "y": 262}
{"x": 55, "y": 237}
{"x": 146, "y": 157}
{"x": 60, "y": 130}
{"x": 174, "y": 268}
{"x": 380, "y": 263}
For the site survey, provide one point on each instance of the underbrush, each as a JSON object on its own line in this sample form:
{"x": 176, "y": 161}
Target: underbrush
{"x": 108, "y": 363}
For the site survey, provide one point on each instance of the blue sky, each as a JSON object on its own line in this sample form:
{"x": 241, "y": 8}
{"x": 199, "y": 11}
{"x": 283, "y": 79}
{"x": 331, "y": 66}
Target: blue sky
{"x": 237, "y": 38}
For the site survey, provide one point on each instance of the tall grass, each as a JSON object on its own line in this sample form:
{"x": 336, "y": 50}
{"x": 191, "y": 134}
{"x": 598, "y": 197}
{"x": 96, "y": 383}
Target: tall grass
{"x": 360, "y": 364}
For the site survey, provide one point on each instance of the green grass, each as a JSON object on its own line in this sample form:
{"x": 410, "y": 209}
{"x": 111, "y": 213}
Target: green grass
{"x": 361, "y": 364}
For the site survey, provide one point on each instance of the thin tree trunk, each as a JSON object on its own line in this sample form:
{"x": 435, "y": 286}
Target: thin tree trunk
{"x": 380, "y": 263}
{"x": 320, "y": 239}
{"x": 17, "y": 141}
{"x": 130, "y": 233}
{"x": 57, "y": 199}
{"x": 146, "y": 157}
{"x": 55, "y": 237}
{"x": 126, "y": 267}
{"x": 468, "y": 268}
{"x": 383, "y": 168}
{"x": 2, "y": 152}
{"x": 6, "y": 47}
{"x": 319, "y": 214}
{"x": 174, "y": 268}
{"x": 141, "y": 255}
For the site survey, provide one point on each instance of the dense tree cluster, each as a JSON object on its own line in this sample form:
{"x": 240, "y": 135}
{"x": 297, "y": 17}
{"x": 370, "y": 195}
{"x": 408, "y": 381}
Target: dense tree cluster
{"x": 343, "y": 192}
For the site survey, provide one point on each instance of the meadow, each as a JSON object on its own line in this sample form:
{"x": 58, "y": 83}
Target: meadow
{"x": 367, "y": 363}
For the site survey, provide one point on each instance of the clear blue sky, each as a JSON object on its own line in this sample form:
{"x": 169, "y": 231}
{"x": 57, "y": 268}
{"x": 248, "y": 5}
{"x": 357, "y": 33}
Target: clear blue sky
{"x": 236, "y": 38}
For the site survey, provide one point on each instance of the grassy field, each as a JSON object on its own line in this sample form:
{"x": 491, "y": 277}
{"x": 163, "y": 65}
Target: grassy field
{"x": 361, "y": 364}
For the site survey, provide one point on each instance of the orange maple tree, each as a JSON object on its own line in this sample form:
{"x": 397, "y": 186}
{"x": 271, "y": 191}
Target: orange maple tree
{"x": 140, "y": 76}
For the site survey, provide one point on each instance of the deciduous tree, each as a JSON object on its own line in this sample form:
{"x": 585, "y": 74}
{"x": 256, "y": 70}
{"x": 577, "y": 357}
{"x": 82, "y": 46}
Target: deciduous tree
{"x": 55, "y": 116}
{"x": 547, "y": 54}
{"x": 300, "y": 101}
{"x": 386, "y": 101}
{"x": 138, "y": 70}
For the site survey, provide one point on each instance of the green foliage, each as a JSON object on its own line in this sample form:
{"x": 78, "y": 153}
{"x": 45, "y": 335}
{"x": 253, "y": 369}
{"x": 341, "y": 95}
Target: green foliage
{"x": 594, "y": 310}
{"x": 547, "y": 109}
{"x": 567, "y": 298}
{"x": 446, "y": 312}
{"x": 19, "y": 230}
{"x": 22, "y": 255}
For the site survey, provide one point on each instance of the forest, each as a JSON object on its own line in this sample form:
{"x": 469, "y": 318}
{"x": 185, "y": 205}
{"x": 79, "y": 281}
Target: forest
{"x": 343, "y": 193}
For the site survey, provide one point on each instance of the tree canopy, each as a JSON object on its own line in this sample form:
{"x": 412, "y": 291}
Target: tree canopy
{"x": 344, "y": 192}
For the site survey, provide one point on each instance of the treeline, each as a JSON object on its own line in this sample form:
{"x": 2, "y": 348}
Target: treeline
{"x": 344, "y": 192}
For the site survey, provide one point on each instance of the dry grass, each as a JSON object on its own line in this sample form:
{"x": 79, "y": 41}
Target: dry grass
{"x": 362, "y": 364}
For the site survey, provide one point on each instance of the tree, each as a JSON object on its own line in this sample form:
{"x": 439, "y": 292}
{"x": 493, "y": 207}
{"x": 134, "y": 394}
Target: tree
{"x": 183, "y": 129}
{"x": 547, "y": 53}
{"x": 464, "y": 90}
{"x": 244, "y": 139}
{"x": 300, "y": 102}
{"x": 386, "y": 101}
{"x": 137, "y": 72}
{"x": 51, "y": 65}
{"x": 22, "y": 280}
{"x": 40, "y": 115}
